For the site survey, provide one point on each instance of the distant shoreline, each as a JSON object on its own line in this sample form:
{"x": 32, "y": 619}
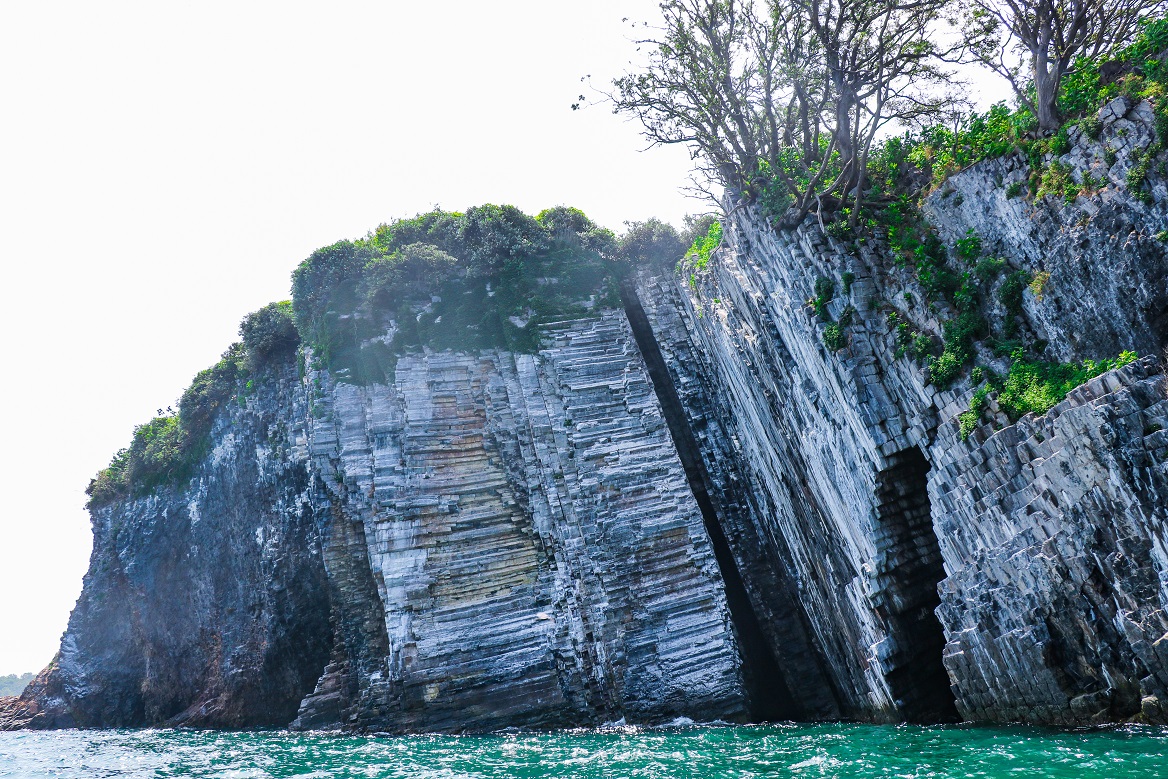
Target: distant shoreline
{"x": 14, "y": 684}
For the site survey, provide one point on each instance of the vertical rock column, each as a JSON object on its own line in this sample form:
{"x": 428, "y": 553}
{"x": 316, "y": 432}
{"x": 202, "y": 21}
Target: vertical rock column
{"x": 539, "y": 557}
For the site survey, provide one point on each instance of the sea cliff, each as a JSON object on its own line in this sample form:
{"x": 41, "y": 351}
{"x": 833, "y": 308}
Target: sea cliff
{"x": 737, "y": 491}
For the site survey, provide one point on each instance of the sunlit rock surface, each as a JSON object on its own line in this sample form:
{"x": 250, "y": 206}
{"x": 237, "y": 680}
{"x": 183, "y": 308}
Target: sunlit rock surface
{"x": 537, "y": 555}
{"x": 1016, "y": 576}
{"x": 494, "y": 540}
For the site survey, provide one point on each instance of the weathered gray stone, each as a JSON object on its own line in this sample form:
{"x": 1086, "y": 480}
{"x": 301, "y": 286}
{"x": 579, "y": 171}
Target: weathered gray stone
{"x": 493, "y": 540}
{"x": 1049, "y": 531}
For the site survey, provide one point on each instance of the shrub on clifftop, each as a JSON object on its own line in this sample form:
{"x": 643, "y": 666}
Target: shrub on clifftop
{"x": 270, "y": 332}
{"x": 487, "y": 278}
{"x": 168, "y": 448}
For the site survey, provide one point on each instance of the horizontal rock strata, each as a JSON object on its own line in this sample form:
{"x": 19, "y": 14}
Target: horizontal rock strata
{"x": 532, "y": 539}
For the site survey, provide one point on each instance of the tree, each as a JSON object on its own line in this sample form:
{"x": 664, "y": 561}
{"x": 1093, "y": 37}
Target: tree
{"x": 880, "y": 62}
{"x": 269, "y": 333}
{"x": 651, "y": 242}
{"x": 1034, "y": 44}
{"x": 785, "y": 95}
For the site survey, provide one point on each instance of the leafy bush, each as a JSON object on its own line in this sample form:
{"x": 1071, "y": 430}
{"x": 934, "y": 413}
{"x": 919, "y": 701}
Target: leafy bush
{"x": 1010, "y": 296}
{"x": 824, "y": 294}
{"x": 969, "y": 420}
{"x": 847, "y": 278}
{"x": 1056, "y": 180}
{"x": 1033, "y": 386}
{"x": 651, "y": 243}
{"x": 988, "y": 269}
{"x": 1039, "y": 386}
{"x": 969, "y": 248}
{"x": 698, "y": 256}
{"x": 834, "y": 338}
{"x": 960, "y": 333}
{"x": 488, "y": 278}
{"x": 269, "y": 333}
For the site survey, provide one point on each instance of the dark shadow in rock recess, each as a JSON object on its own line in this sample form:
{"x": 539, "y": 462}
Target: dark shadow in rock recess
{"x": 908, "y": 569}
{"x": 770, "y": 698}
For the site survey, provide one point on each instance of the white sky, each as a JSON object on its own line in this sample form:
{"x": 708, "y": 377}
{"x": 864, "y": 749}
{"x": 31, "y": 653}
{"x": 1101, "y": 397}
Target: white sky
{"x": 164, "y": 166}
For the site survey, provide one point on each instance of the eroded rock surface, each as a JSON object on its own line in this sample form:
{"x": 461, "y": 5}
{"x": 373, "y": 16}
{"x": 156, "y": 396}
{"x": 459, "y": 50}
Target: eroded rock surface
{"x": 692, "y": 507}
{"x": 532, "y": 538}
{"x": 1018, "y": 575}
{"x": 494, "y": 540}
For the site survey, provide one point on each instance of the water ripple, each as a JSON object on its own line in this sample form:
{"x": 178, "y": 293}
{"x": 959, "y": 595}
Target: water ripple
{"x": 614, "y": 752}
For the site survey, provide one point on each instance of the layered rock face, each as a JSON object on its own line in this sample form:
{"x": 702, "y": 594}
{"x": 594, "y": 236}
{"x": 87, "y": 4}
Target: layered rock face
{"x": 691, "y": 507}
{"x": 1108, "y": 283}
{"x": 1018, "y": 575}
{"x": 537, "y": 555}
{"x": 495, "y": 540}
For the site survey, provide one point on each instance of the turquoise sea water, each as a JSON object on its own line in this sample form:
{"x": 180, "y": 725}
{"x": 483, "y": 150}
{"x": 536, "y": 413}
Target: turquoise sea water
{"x": 617, "y": 752}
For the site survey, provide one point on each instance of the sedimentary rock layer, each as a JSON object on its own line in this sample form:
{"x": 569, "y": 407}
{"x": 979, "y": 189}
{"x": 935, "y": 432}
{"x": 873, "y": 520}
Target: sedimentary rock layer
{"x": 537, "y": 551}
{"x": 493, "y": 540}
{"x": 1015, "y": 576}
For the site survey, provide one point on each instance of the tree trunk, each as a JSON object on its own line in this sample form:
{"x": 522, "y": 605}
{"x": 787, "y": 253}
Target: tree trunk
{"x": 844, "y": 141}
{"x": 1046, "y": 84}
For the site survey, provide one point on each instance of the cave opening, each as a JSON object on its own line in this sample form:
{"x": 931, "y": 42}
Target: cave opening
{"x": 770, "y": 697}
{"x": 909, "y": 569}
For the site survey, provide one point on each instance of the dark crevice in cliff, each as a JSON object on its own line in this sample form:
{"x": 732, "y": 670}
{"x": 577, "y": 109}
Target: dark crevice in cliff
{"x": 908, "y": 569}
{"x": 770, "y": 697}
{"x": 343, "y": 695}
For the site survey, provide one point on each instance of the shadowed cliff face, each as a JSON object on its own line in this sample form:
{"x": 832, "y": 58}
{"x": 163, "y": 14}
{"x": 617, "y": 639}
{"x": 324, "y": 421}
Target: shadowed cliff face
{"x": 202, "y": 606}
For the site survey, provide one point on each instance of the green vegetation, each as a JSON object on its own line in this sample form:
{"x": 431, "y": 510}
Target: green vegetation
{"x": 1010, "y": 296}
{"x": 169, "y": 447}
{"x": 824, "y": 294}
{"x": 269, "y": 334}
{"x": 651, "y": 243}
{"x": 487, "y": 278}
{"x": 697, "y": 258}
{"x": 1034, "y": 386}
{"x": 941, "y": 151}
{"x": 834, "y": 335}
{"x": 13, "y": 684}
{"x": 847, "y": 278}
{"x": 491, "y": 277}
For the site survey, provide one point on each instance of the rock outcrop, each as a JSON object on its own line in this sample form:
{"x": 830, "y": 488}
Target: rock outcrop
{"x": 206, "y": 605}
{"x": 696, "y": 506}
{"x": 495, "y": 540}
{"x": 1016, "y": 576}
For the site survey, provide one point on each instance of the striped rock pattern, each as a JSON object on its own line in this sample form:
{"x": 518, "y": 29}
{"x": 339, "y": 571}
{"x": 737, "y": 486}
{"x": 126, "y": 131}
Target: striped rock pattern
{"x": 1017, "y": 576}
{"x": 536, "y": 551}
{"x": 1056, "y": 612}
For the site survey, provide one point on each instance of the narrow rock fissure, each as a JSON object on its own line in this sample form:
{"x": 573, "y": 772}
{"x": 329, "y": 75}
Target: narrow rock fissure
{"x": 770, "y": 698}
{"x": 908, "y": 569}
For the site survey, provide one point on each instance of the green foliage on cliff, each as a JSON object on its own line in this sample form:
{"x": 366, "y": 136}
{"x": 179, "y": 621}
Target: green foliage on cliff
{"x": 1034, "y": 386}
{"x": 697, "y": 258}
{"x": 168, "y": 448}
{"x": 1138, "y": 72}
{"x": 651, "y": 243}
{"x": 270, "y": 333}
{"x": 488, "y": 278}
